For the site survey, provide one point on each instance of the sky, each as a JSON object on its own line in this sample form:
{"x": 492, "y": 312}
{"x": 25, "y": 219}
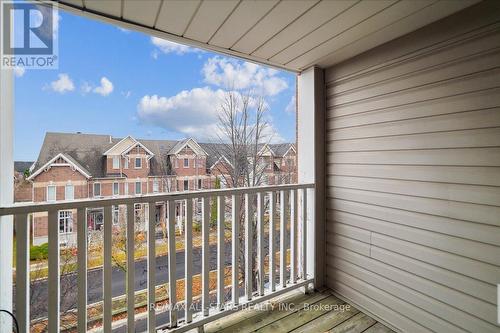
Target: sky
{"x": 120, "y": 82}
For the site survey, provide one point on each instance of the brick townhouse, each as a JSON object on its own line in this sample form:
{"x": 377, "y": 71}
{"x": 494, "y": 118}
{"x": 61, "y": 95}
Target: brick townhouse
{"x": 76, "y": 166}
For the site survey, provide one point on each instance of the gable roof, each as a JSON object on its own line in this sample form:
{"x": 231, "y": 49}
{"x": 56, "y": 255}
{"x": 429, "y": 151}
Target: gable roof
{"x": 120, "y": 146}
{"x": 222, "y": 158}
{"x": 71, "y": 161}
{"x": 125, "y": 145}
{"x": 188, "y": 142}
{"x": 88, "y": 151}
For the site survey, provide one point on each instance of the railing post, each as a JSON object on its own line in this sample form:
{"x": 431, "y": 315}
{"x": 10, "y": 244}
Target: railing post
{"x": 107, "y": 271}
{"x": 172, "y": 279}
{"x": 221, "y": 246}
{"x": 151, "y": 259}
{"x": 235, "y": 248}
{"x": 260, "y": 242}
{"x": 205, "y": 269}
{"x": 130, "y": 268}
{"x": 82, "y": 269}
{"x": 188, "y": 250}
{"x": 248, "y": 245}
{"x": 293, "y": 236}
{"x": 54, "y": 272}
{"x": 303, "y": 238}
{"x": 283, "y": 232}
{"x": 22, "y": 272}
{"x": 272, "y": 242}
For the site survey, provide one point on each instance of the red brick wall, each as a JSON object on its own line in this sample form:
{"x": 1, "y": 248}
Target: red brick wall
{"x": 60, "y": 176}
{"x": 192, "y": 170}
{"x": 59, "y": 173}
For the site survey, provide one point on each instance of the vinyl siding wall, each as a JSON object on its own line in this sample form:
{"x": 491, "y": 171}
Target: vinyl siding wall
{"x": 413, "y": 176}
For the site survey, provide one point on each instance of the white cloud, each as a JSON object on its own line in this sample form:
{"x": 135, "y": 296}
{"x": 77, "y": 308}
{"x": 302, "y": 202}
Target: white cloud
{"x": 194, "y": 113}
{"x": 291, "y": 106}
{"x": 167, "y": 47}
{"x": 105, "y": 88}
{"x": 19, "y": 71}
{"x": 62, "y": 85}
{"x": 191, "y": 112}
{"x": 233, "y": 74}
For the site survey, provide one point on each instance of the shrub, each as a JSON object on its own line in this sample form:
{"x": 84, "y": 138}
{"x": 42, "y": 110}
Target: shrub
{"x": 39, "y": 252}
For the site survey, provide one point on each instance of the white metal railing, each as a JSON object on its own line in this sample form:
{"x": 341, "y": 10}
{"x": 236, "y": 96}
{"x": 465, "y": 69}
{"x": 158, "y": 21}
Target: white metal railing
{"x": 293, "y": 201}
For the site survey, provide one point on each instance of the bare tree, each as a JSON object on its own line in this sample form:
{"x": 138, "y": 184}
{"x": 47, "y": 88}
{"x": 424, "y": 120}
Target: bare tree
{"x": 243, "y": 130}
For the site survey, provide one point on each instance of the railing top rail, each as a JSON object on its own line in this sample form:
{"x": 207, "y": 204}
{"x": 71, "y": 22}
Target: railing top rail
{"x": 30, "y": 207}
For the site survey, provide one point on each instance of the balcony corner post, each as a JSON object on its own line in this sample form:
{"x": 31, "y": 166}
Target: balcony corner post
{"x": 6, "y": 192}
{"x": 311, "y": 165}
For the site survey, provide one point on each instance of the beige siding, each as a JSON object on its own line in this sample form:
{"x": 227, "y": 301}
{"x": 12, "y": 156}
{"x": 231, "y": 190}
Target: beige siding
{"x": 413, "y": 176}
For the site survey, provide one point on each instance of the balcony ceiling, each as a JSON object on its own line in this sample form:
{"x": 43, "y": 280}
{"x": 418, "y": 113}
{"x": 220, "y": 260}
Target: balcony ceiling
{"x": 293, "y": 35}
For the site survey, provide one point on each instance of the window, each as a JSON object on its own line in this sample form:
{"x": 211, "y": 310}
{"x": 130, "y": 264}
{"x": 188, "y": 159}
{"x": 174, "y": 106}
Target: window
{"x": 138, "y": 188}
{"x": 125, "y": 187}
{"x": 97, "y": 189}
{"x": 65, "y": 221}
{"x": 138, "y": 162}
{"x": 199, "y": 184}
{"x": 116, "y": 188}
{"x": 116, "y": 213}
{"x": 125, "y": 162}
{"x": 69, "y": 192}
{"x": 186, "y": 163}
{"x": 51, "y": 193}
{"x": 95, "y": 218}
{"x": 186, "y": 185}
{"x": 156, "y": 185}
{"x": 116, "y": 162}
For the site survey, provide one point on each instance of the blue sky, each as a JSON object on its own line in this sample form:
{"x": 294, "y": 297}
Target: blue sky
{"x": 119, "y": 82}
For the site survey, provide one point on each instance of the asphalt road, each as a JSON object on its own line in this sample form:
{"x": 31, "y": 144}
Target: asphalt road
{"x": 95, "y": 279}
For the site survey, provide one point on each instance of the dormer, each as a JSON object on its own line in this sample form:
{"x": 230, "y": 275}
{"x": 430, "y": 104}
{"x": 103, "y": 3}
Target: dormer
{"x": 187, "y": 156}
{"x": 128, "y": 156}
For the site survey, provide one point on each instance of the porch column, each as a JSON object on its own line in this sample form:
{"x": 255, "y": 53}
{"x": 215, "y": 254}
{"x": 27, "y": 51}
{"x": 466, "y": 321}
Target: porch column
{"x": 6, "y": 193}
{"x": 311, "y": 164}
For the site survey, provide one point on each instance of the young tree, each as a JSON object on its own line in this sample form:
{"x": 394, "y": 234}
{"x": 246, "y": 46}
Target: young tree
{"x": 243, "y": 130}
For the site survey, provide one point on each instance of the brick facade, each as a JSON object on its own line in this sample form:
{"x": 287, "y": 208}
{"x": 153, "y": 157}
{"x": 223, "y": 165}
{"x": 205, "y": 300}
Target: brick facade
{"x": 187, "y": 165}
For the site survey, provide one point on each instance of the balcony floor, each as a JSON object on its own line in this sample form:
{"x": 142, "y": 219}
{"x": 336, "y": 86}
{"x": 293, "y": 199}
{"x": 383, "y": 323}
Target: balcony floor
{"x": 314, "y": 312}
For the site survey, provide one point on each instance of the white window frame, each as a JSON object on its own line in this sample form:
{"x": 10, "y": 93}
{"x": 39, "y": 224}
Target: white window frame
{"x": 94, "y": 191}
{"x": 184, "y": 163}
{"x": 66, "y": 197}
{"x": 125, "y": 162}
{"x": 117, "y": 187}
{"x": 156, "y": 185}
{"x": 65, "y": 216}
{"x": 184, "y": 187}
{"x": 140, "y": 163}
{"x": 125, "y": 188}
{"x": 55, "y": 193}
{"x": 116, "y": 162}
{"x": 140, "y": 187}
{"x": 176, "y": 162}
{"x": 115, "y": 214}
